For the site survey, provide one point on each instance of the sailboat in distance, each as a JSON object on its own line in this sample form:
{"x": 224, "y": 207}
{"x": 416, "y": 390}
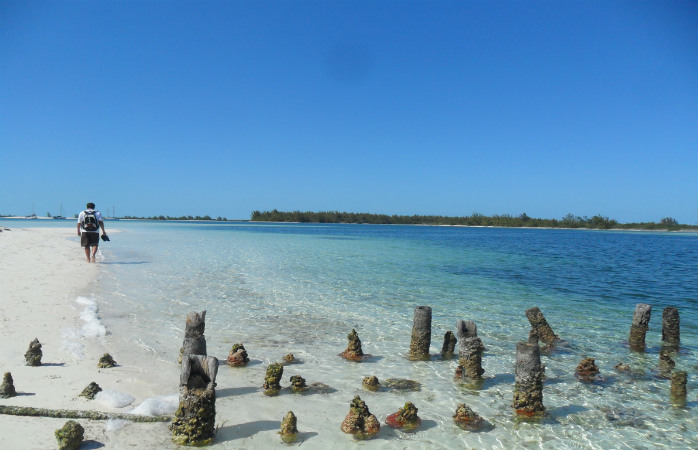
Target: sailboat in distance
{"x": 62, "y": 214}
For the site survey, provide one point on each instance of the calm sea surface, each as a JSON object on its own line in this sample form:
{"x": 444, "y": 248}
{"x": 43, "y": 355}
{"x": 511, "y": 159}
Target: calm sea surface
{"x": 301, "y": 288}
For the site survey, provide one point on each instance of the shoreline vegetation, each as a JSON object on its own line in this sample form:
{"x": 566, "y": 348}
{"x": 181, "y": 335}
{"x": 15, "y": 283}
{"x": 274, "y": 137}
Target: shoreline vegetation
{"x": 597, "y": 222}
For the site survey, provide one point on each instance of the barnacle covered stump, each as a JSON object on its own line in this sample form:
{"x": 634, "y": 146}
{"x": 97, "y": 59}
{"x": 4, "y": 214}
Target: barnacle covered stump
{"x": 195, "y": 419}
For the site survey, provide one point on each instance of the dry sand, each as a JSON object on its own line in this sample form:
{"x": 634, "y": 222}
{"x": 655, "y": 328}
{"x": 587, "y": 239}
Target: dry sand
{"x": 42, "y": 273}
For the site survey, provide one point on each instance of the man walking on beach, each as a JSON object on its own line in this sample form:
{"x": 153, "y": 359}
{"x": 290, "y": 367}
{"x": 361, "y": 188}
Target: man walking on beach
{"x": 89, "y": 223}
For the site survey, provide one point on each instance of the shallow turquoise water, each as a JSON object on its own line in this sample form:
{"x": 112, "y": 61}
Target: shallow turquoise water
{"x": 281, "y": 288}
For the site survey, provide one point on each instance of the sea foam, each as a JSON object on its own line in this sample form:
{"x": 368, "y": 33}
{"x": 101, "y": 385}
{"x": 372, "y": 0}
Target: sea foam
{"x": 157, "y": 406}
{"x": 92, "y": 327}
{"x": 114, "y": 399}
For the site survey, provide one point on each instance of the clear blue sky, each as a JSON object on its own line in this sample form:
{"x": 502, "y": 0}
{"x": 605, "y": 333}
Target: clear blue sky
{"x": 396, "y": 107}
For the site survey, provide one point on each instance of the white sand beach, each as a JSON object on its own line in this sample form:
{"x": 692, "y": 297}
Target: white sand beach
{"x": 42, "y": 273}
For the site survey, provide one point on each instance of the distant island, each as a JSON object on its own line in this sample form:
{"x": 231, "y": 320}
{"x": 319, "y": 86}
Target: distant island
{"x": 597, "y": 222}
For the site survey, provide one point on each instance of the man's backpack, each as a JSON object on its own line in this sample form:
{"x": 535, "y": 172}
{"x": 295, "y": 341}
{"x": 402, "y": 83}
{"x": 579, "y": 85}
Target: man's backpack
{"x": 90, "y": 222}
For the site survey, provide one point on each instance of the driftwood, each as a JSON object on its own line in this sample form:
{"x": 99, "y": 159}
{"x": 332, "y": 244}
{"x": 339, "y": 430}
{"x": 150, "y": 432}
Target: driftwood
{"x": 28, "y": 411}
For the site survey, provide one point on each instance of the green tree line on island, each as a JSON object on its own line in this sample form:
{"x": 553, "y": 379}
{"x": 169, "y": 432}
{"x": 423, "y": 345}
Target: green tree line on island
{"x": 198, "y": 218}
{"x": 475, "y": 219}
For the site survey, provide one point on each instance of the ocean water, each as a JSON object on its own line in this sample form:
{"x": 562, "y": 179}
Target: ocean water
{"x": 301, "y": 288}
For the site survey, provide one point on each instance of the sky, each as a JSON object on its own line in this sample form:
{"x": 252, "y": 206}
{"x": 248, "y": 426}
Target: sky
{"x": 437, "y": 107}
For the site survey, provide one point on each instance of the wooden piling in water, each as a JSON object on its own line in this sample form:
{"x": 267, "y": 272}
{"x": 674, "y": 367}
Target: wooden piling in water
{"x": 678, "y": 387}
{"x": 470, "y": 350}
{"x": 421, "y": 333}
{"x": 638, "y": 330}
{"x": 540, "y": 325}
{"x": 449, "y": 345}
{"x": 670, "y": 326}
{"x": 528, "y": 388}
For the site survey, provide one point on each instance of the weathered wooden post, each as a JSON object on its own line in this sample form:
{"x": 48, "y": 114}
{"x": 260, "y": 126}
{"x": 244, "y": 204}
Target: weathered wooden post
{"x": 528, "y": 388}
{"x": 194, "y": 340}
{"x": 33, "y": 354}
{"x": 541, "y": 327}
{"x": 421, "y": 333}
{"x": 666, "y": 362}
{"x": 678, "y": 387}
{"x": 638, "y": 329}
{"x": 195, "y": 419}
{"x": 449, "y": 346}
{"x": 670, "y": 326}
{"x": 466, "y": 329}
{"x": 470, "y": 350}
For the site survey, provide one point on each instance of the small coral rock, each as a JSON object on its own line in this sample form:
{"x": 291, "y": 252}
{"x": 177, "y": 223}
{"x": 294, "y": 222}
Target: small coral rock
{"x": 70, "y": 436}
{"x": 289, "y": 430}
{"x": 467, "y": 419}
{"x": 238, "y": 355}
{"x": 33, "y": 354}
{"x": 272, "y": 380}
{"x": 360, "y": 422}
{"x": 371, "y": 383}
{"x": 587, "y": 370}
{"x": 106, "y": 361}
{"x": 298, "y": 384}
{"x": 406, "y": 418}
{"x": 353, "y": 351}
{"x": 622, "y": 367}
{"x": 7, "y": 388}
{"x": 90, "y": 391}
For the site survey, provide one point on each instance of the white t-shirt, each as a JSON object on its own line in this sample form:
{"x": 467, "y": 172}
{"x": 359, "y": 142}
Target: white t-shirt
{"x": 81, "y": 219}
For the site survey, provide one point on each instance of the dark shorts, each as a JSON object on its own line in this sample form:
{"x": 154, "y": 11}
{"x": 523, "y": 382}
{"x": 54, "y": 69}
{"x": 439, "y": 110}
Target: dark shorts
{"x": 89, "y": 239}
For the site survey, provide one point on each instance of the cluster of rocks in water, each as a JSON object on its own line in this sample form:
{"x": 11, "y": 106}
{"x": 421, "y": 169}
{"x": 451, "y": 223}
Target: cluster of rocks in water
{"x": 194, "y": 421}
